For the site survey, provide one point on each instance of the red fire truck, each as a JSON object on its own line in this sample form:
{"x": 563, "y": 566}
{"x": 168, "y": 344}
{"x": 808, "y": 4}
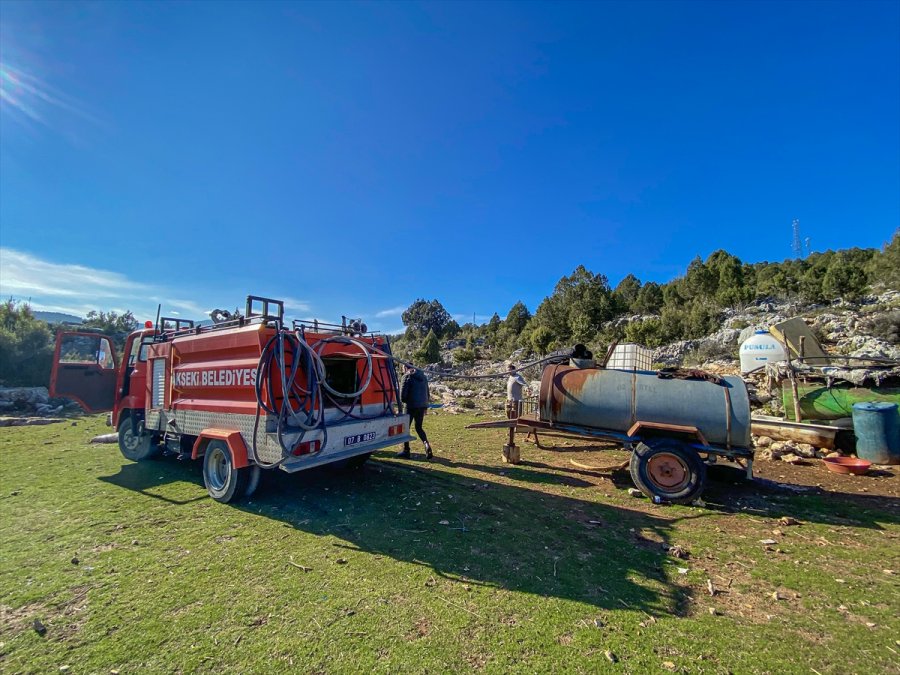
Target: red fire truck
{"x": 244, "y": 394}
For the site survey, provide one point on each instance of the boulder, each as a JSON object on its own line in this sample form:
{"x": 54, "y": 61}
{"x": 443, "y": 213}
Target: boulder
{"x": 31, "y": 396}
{"x": 805, "y": 450}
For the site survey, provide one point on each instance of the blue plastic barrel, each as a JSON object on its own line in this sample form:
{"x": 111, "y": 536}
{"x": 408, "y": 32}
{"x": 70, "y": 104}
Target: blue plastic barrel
{"x": 877, "y": 428}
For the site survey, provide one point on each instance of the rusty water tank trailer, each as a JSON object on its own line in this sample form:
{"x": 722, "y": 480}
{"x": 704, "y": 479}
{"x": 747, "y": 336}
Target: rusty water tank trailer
{"x": 615, "y": 400}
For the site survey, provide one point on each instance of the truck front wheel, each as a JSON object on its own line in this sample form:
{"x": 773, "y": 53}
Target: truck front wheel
{"x": 136, "y": 447}
{"x": 667, "y": 470}
{"x": 223, "y": 481}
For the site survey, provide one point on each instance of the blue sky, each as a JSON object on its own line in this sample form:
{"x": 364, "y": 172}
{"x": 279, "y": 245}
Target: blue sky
{"x": 351, "y": 157}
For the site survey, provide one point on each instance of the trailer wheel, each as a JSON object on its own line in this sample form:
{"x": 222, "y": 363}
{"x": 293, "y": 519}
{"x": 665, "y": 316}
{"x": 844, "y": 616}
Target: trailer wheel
{"x": 135, "y": 447}
{"x": 668, "y": 470}
{"x": 223, "y": 481}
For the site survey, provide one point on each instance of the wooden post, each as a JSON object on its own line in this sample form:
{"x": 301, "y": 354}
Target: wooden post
{"x": 511, "y": 454}
{"x": 793, "y": 377}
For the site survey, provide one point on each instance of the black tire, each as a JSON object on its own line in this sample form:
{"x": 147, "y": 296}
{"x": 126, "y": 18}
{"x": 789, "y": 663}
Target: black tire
{"x": 668, "y": 470}
{"x": 136, "y": 448}
{"x": 253, "y": 483}
{"x": 223, "y": 481}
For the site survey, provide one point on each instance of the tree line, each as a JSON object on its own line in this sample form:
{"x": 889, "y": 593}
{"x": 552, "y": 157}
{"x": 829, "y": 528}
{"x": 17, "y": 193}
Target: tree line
{"x": 584, "y": 308}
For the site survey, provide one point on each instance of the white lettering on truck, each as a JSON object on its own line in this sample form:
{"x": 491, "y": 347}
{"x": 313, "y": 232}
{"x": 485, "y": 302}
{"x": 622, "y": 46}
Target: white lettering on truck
{"x": 220, "y": 377}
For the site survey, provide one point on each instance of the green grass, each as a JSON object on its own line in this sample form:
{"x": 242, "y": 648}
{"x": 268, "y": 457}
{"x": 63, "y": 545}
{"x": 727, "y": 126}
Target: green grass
{"x": 541, "y": 568}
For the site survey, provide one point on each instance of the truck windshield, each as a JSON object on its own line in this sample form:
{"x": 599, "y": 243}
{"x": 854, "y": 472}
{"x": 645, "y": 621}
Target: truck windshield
{"x": 138, "y": 351}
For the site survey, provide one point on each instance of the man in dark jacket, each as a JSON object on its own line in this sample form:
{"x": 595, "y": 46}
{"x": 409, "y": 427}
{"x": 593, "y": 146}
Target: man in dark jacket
{"x": 414, "y": 394}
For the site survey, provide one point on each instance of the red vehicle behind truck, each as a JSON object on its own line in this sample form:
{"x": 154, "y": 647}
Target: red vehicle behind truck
{"x": 244, "y": 394}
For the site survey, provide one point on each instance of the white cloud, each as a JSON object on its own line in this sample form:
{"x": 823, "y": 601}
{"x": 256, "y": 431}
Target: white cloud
{"x": 187, "y": 306}
{"x": 77, "y": 289}
{"x": 393, "y": 311}
{"x": 296, "y": 305}
{"x": 22, "y": 274}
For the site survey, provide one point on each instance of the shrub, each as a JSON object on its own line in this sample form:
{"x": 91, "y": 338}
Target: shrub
{"x": 647, "y": 333}
{"x": 885, "y": 326}
{"x": 709, "y": 351}
{"x": 26, "y": 346}
{"x": 464, "y": 357}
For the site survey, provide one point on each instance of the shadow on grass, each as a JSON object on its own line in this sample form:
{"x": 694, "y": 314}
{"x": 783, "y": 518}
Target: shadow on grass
{"x": 524, "y": 471}
{"x": 146, "y": 477}
{"x": 512, "y": 536}
{"x": 481, "y": 532}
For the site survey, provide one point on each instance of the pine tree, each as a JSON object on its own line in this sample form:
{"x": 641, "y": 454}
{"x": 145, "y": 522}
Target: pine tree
{"x": 430, "y": 351}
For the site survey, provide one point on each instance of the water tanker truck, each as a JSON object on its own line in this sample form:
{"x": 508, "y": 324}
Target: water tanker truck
{"x": 675, "y": 423}
{"x": 245, "y": 394}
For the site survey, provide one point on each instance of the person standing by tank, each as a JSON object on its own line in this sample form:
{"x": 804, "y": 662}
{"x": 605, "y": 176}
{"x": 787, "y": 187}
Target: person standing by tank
{"x": 414, "y": 394}
{"x": 515, "y": 383}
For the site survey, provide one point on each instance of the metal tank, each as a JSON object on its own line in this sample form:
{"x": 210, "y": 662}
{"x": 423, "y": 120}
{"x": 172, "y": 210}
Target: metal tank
{"x": 615, "y": 399}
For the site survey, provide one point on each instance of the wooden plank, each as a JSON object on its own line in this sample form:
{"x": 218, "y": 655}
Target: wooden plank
{"x": 790, "y": 332}
{"x": 614, "y": 467}
{"x": 496, "y": 424}
{"x": 817, "y": 435}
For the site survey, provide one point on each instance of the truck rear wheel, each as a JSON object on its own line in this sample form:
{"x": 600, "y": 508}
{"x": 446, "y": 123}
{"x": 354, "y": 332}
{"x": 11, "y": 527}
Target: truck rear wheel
{"x": 253, "y": 483}
{"x": 667, "y": 470}
{"x": 136, "y": 447}
{"x": 223, "y": 481}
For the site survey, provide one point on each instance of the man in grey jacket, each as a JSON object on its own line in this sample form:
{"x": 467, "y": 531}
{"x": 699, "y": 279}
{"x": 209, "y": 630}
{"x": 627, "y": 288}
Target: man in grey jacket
{"x": 515, "y": 383}
{"x": 414, "y": 394}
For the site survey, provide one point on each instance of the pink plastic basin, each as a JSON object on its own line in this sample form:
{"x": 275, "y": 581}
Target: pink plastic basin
{"x": 847, "y": 465}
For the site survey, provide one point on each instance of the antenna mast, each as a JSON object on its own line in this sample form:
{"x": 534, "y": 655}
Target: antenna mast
{"x": 796, "y": 245}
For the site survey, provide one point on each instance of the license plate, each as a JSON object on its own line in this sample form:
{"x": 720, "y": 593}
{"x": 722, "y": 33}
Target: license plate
{"x": 359, "y": 438}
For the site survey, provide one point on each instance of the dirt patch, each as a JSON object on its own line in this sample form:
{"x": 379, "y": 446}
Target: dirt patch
{"x": 62, "y": 620}
{"x": 421, "y": 629}
{"x": 812, "y": 473}
{"x": 476, "y": 661}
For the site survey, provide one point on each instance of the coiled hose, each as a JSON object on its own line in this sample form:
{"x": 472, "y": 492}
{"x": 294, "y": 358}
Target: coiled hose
{"x": 371, "y": 372}
{"x": 302, "y": 406}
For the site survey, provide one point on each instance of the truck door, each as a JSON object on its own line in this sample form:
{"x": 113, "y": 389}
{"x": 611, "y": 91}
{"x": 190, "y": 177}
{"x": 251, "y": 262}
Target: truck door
{"x": 84, "y": 370}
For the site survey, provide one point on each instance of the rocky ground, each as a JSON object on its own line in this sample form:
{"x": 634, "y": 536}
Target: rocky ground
{"x": 22, "y": 406}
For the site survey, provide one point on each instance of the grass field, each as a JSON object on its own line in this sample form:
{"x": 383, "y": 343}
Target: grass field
{"x": 407, "y": 566}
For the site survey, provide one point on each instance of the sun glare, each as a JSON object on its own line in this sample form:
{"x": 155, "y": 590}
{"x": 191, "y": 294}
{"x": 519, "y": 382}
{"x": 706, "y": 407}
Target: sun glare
{"x": 26, "y": 98}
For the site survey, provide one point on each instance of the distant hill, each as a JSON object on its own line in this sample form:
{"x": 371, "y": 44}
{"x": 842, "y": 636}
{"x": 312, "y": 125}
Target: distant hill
{"x": 58, "y": 317}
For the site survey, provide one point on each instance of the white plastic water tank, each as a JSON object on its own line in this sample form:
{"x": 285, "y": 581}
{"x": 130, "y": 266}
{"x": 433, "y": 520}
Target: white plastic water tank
{"x": 759, "y": 349}
{"x": 630, "y": 356}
